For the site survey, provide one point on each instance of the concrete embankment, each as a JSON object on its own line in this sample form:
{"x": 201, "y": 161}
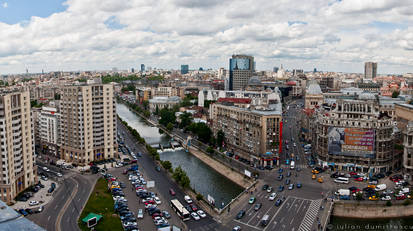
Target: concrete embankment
{"x": 370, "y": 211}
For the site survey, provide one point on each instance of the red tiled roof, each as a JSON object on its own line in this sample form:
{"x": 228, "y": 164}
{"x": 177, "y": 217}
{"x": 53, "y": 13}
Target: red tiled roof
{"x": 235, "y": 100}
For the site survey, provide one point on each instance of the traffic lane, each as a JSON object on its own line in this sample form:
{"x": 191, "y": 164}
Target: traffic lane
{"x": 162, "y": 182}
{"x": 291, "y": 216}
{"x": 85, "y": 186}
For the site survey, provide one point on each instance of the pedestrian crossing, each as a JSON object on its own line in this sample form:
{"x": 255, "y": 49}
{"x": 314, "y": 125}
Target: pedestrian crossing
{"x": 310, "y": 216}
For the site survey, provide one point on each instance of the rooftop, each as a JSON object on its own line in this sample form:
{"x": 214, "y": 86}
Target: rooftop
{"x": 234, "y": 100}
{"x": 10, "y": 220}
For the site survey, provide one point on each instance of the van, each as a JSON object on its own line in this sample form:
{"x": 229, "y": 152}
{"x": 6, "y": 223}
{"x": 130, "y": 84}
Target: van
{"x": 265, "y": 219}
{"x": 381, "y": 187}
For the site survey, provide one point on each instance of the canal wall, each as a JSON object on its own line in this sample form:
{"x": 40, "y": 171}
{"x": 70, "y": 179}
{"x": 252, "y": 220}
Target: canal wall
{"x": 371, "y": 211}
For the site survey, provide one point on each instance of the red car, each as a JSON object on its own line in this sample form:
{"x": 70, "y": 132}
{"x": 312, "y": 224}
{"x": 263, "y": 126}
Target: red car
{"x": 401, "y": 197}
{"x": 193, "y": 207}
{"x": 353, "y": 173}
{"x": 172, "y": 192}
{"x": 359, "y": 179}
{"x": 125, "y": 172}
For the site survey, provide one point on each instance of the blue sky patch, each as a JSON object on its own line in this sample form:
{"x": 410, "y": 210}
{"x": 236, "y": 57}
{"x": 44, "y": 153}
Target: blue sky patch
{"x": 18, "y": 11}
{"x": 297, "y": 22}
{"x": 113, "y": 23}
{"x": 388, "y": 26}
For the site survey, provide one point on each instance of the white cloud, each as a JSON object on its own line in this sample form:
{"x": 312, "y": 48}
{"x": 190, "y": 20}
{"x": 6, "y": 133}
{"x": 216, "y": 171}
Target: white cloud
{"x": 5, "y": 5}
{"x": 330, "y": 35}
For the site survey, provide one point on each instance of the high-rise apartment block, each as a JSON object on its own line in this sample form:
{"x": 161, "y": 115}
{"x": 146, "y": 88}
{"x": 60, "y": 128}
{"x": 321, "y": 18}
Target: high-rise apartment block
{"x": 17, "y": 168}
{"x": 88, "y": 123}
{"x": 184, "y": 69}
{"x": 370, "y": 70}
{"x": 241, "y": 69}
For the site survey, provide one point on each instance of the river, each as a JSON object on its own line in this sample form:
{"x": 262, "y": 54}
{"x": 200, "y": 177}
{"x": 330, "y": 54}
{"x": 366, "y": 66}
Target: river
{"x": 204, "y": 179}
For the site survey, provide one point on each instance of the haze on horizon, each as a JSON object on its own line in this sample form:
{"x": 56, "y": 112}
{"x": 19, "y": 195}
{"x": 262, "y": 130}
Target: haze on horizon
{"x": 331, "y": 35}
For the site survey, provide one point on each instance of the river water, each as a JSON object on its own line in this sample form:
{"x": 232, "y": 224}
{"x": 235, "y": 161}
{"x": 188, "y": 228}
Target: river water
{"x": 204, "y": 179}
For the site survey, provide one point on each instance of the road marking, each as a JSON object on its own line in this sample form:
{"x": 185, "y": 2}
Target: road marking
{"x": 73, "y": 210}
{"x": 275, "y": 214}
{"x": 247, "y": 224}
{"x": 48, "y": 219}
{"x": 55, "y": 207}
{"x": 292, "y": 221}
{"x": 62, "y": 211}
{"x": 281, "y": 221}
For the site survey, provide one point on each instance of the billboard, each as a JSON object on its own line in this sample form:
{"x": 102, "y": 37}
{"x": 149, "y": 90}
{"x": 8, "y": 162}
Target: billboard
{"x": 351, "y": 142}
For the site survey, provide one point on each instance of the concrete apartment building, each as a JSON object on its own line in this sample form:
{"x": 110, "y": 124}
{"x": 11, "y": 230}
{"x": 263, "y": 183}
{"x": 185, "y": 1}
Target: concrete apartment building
{"x": 252, "y": 132}
{"x": 88, "y": 123}
{"x": 241, "y": 69}
{"x": 353, "y": 135}
{"x": 18, "y": 171}
{"x": 49, "y": 131}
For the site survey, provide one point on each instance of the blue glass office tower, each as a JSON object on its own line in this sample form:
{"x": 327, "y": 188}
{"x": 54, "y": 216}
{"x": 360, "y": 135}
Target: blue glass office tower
{"x": 241, "y": 68}
{"x": 184, "y": 69}
{"x": 142, "y": 67}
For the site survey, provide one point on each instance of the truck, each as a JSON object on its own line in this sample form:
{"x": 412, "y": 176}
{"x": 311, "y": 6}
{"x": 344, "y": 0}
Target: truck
{"x": 381, "y": 187}
{"x": 344, "y": 194}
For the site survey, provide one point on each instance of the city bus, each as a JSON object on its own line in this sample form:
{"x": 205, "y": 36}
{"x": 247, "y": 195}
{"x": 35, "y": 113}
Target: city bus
{"x": 180, "y": 209}
{"x": 341, "y": 180}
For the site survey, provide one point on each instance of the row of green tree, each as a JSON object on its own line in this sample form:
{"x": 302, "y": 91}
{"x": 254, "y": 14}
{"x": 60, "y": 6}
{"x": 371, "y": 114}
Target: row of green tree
{"x": 118, "y": 78}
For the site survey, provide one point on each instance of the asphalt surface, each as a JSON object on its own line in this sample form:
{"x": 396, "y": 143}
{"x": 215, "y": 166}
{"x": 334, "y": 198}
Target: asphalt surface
{"x": 163, "y": 183}
{"x": 71, "y": 182}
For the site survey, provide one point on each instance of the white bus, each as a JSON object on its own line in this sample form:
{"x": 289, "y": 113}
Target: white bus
{"x": 341, "y": 180}
{"x": 180, "y": 210}
{"x": 292, "y": 165}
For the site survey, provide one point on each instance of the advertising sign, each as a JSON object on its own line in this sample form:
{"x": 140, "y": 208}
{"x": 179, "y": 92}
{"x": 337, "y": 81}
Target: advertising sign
{"x": 247, "y": 173}
{"x": 351, "y": 142}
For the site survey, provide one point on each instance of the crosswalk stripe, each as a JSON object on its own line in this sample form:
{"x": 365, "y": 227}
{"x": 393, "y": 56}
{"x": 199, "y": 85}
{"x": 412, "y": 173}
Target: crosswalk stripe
{"x": 310, "y": 216}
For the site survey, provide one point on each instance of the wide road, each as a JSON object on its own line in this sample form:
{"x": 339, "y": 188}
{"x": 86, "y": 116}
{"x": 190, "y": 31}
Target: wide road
{"x": 162, "y": 182}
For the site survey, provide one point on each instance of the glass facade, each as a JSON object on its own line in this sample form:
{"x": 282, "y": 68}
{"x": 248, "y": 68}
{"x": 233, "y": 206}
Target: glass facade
{"x": 239, "y": 64}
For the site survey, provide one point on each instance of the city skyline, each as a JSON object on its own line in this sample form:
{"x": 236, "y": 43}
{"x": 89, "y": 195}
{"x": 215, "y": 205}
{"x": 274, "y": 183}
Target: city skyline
{"x": 94, "y": 35}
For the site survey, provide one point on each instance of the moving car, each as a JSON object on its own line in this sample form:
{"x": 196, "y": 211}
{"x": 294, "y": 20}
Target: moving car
{"x": 257, "y": 206}
{"x": 320, "y": 180}
{"x": 140, "y": 214}
{"x": 172, "y": 192}
{"x": 281, "y": 188}
{"x": 251, "y": 200}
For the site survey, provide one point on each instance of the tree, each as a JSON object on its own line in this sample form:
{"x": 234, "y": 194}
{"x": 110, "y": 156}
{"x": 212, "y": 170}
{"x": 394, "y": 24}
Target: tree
{"x": 185, "y": 181}
{"x": 199, "y": 196}
{"x": 395, "y": 94}
{"x": 210, "y": 149}
{"x": 208, "y": 102}
{"x": 169, "y": 126}
{"x": 57, "y": 96}
{"x": 166, "y": 164}
{"x": 145, "y": 104}
{"x": 186, "y": 119}
{"x": 359, "y": 196}
{"x": 167, "y": 116}
{"x": 220, "y": 138}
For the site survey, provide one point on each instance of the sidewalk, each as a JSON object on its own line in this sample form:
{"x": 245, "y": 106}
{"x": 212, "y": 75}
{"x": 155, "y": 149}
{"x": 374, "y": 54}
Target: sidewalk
{"x": 323, "y": 218}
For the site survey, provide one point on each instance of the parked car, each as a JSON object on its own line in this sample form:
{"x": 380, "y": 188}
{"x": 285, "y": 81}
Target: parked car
{"x": 272, "y": 196}
{"x": 140, "y": 214}
{"x": 32, "y": 203}
{"x": 257, "y": 206}
{"x": 251, "y": 200}
{"x": 195, "y": 216}
{"x": 188, "y": 199}
{"x": 240, "y": 214}
{"x": 201, "y": 213}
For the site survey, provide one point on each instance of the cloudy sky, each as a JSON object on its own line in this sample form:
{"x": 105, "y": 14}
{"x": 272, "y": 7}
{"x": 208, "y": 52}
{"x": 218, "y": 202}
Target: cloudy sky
{"x": 331, "y": 35}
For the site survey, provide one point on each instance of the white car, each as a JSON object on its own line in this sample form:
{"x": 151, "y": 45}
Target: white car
{"x": 157, "y": 200}
{"x": 32, "y": 203}
{"x": 59, "y": 174}
{"x": 140, "y": 214}
{"x": 46, "y": 169}
{"x": 130, "y": 224}
{"x": 386, "y": 198}
{"x": 201, "y": 213}
{"x": 272, "y": 196}
{"x": 195, "y": 216}
{"x": 187, "y": 199}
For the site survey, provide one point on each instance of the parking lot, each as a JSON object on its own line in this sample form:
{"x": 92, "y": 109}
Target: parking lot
{"x": 293, "y": 213}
